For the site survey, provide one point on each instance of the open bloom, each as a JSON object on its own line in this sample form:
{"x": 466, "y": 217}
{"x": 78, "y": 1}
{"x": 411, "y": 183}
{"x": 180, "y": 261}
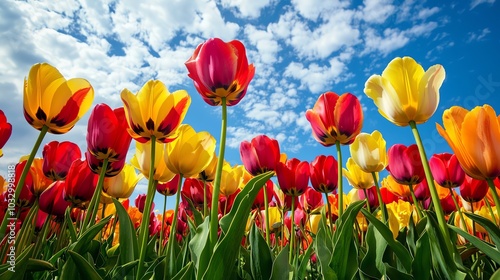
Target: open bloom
{"x": 154, "y": 111}
{"x": 324, "y": 173}
{"x": 368, "y": 152}
{"x": 260, "y": 155}
{"x": 446, "y": 170}
{"x": 335, "y": 118}
{"x": 80, "y": 184}
{"x": 107, "y": 138}
{"x": 123, "y": 184}
{"x": 220, "y": 69}
{"x": 190, "y": 153}
{"x": 231, "y": 179}
{"x": 293, "y": 176}
{"x": 474, "y": 136}
{"x": 405, "y": 92}
{"x": 473, "y": 190}
{"x": 405, "y": 164}
{"x": 142, "y": 161}
{"x": 357, "y": 177}
{"x": 5, "y": 131}
{"x": 51, "y": 100}
{"x": 58, "y": 157}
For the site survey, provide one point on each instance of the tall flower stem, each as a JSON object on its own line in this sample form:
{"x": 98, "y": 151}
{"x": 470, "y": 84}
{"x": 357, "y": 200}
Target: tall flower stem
{"x": 266, "y": 210}
{"x": 491, "y": 211}
{"x": 173, "y": 230}
{"x": 205, "y": 202}
{"x": 339, "y": 183}
{"x": 26, "y": 169}
{"x": 380, "y": 200}
{"x": 214, "y": 211}
{"x": 495, "y": 195}
{"x": 458, "y": 208}
{"x": 367, "y": 202}
{"x": 144, "y": 229}
{"x": 329, "y": 213}
{"x": 432, "y": 188}
{"x": 94, "y": 202}
{"x": 415, "y": 202}
{"x": 292, "y": 232}
{"x": 162, "y": 231}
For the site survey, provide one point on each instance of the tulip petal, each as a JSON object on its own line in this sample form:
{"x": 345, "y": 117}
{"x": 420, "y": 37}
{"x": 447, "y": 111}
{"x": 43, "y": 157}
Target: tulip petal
{"x": 386, "y": 99}
{"x": 428, "y": 99}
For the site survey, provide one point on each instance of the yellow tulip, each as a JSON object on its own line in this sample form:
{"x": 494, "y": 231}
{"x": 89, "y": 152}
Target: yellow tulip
{"x": 208, "y": 174}
{"x": 190, "y": 153}
{"x": 274, "y": 218}
{"x": 474, "y": 136}
{"x": 142, "y": 161}
{"x": 485, "y": 213}
{"x": 313, "y": 222}
{"x": 368, "y": 152}
{"x": 51, "y": 100}
{"x": 154, "y": 111}
{"x": 405, "y": 92}
{"x": 123, "y": 184}
{"x": 399, "y": 215}
{"x": 231, "y": 179}
{"x": 357, "y": 177}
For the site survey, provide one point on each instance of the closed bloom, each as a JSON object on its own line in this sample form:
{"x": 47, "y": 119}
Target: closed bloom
{"x": 293, "y": 177}
{"x": 473, "y": 190}
{"x": 260, "y": 155}
{"x": 154, "y": 111}
{"x": 474, "y": 136}
{"x": 190, "y": 153}
{"x": 107, "y": 138}
{"x": 5, "y": 131}
{"x": 311, "y": 201}
{"x": 140, "y": 201}
{"x": 368, "y": 152}
{"x": 405, "y": 92}
{"x": 80, "y": 184}
{"x": 231, "y": 179}
{"x": 399, "y": 216}
{"x": 52, "y": 200}
{"x": 446, "y": 170}
{"x": 220, "y": 69}
{"x": 335, "y": 118}
{"x": 51, "y": 100}
{"x": 357, "y": 177}
{"x": 58, "y": 157}
{"x": 324, "y": 173}
{"x": 169, "y": 188}
{"x": 123, "y": 184}
{"x": 396, "y": 188}
{"x": 405, "y": 165}
{"x": 40, "y": 181}
{"x": 142, "y": 161}
{"x": 208, "y": 174}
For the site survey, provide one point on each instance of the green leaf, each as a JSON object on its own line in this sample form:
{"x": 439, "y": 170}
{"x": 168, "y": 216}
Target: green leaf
{"x": 301, "y": 271}
{"x": 185, "y": 273}
{"x": 124, "y": 270}
{"x": 222, "y": 263}
{"x": 492, "y": 229}
{"x": 394, "y": 273}
{"x": 19, "y": 266}
{"x": 81, "y": 245}
{"x": 401, "y": 252}
{"x": 372, "y": 264}
{"x": 344, "y": 256}
{"x": 71, "y": 226}
{"x": 281, "y": 268}
{"x": 39, "y": 265}
{"x": 260, "y": 257}
{"x": 199, "y": 246}
{"x": 129, "y": 250}
{"x": 85, "y": 269}
{"x": 487, "y": 249}
{"x": 324, "y": 254}
{"x": 421, "y": 265}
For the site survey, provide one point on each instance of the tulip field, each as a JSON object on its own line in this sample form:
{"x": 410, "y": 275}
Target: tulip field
{"x": 69, "y": 214}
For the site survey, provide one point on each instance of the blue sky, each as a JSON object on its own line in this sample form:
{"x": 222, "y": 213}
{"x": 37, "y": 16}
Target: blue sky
{"x": 300, "y": 49}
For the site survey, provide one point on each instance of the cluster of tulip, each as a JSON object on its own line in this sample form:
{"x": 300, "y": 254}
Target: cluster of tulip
{"x": 63, "y": 201}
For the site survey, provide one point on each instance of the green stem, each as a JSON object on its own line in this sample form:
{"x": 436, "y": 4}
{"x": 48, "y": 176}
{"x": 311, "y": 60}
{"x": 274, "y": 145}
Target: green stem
{"x": 340, "y": 191}
{"x": 329, "y": 209}
{"x": 415, "y": 202}
{"x": 214, "y": 211}
{"x": 473, "y": 223}
{"x": 266, "y": 210}
{"x": 495, "y": 196}
{"x": 41, "y": 237}
{"x": 458, "y": 209}
{"x": 144, "y": 229}
{"x": 173, "y": 231}
{"x": 27, "y": 228}
{"x": 205, "y": 202}
{"x": 432, "y": 188}
{"x": 367, "y": 202}
{"x": 292, "y": 232}
{"x": 385, "y": 215}
{"x": 491, "y": 211}
{"x": 94, "y": 203}
{"x": 26, "y": 169}
{"x": 162, "y": 231}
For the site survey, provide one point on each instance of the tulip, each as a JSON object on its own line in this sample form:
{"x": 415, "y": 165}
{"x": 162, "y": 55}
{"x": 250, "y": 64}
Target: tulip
{"x": 274, "y": 218}
{"x": 361, "y": 194}
{"x": 5, "y": 131}
{"x": 208, "y": 174}
{"x": 154, "y": 111}
{"x": 26, "y": 197}
{"x": 142, "y": 161}
{"x": 293, "y": 177}
{"x": 107, "y": 139}
{"x": 324, "y": 175}
{"x": 311, "y": 200}
{"x": 399, "y": 216}
{"x": 387, "y": 195}
{"x": 58, "y": 157}
{"x": 400, "y": 190}
{"x": 39, "y": 181}
{"x": 446, "y": 170}
{"x": 260, "y": 201}
{"x": 405, "y": 92}
{"x": 335, "y": 118}
{"x": 405, "y": 164}
{"x": 220, "y": 70}
{"x": 368, "y": 152}
{"x": 80, "y": 184}
{"x": 473, "y": 190}
{"x": 357, "y": 177}
{"x": 123, "y": 184}
{"x": 52, "y": 101}
{"x": 260, "y": 155}
{"x": 190, "y": 153}
{"x": 52, "y": 200}
{"x": 140, "y": 201}
{"x": 231, "y": 179}
{"x": 193, "y": 191}
{"x": 169, "y": 188}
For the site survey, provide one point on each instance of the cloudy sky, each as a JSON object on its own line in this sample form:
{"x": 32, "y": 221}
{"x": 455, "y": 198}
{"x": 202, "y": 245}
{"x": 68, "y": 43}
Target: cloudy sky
{"x": 300, "y": 49}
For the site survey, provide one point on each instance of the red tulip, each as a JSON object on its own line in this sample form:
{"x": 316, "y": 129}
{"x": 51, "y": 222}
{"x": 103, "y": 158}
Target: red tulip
{"x": 169, "y": 188}
{"x": 259, "y": 202}
{"x": 26, "y": 198}
{"x": 140, "y": 201}
{"x": 107, "y": 138}
{"x": 388, "y": 196}
{"x": 372, "y": 196}
{"x": 473, "y": 190}
{"x": 80, "y": 184}
{"x": 311, "y": 200}
{"x": 192, "y": 190}
{"x": 260, "y": 155}
{"x": 405, "y": 165}
{"x": 293, "y": 177}
{"x": 422, "y": 191}
{"x": 324, "y": 174}
{"x": 5, "y": 131}
{"x": 52, "y": 200}
{"x": 220, "y": 69}
{"x": 446, "y": 170}
{"x": 336, "y": 118}
{"x": 58, "y": 157}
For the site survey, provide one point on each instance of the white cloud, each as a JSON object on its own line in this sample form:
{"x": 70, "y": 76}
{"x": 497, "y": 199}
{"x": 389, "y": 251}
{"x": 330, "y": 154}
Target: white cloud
{"x": 266, "y": 44}
{"x": 245, "y": 8}
{"x": 478, "y": 36}
{"x": 427, "y": 12}
{"x": 312, "y": 9}
{"x": 475, "y": 3}
{"x": 377, "y": 11}
{"x": 314, "y": 77}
